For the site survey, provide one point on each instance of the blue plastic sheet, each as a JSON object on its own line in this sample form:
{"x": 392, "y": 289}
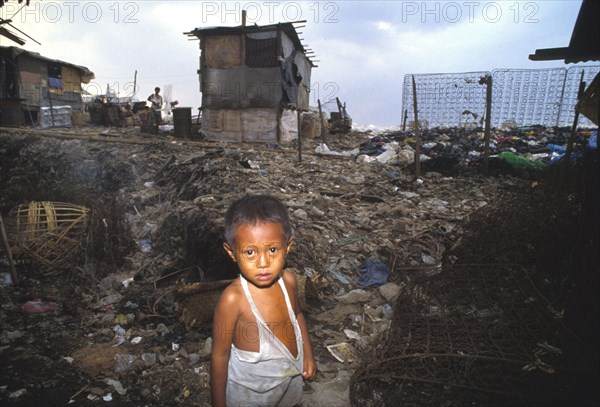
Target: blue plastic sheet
{"x": 373, "y": 273}
{"x": 593, "y": 140}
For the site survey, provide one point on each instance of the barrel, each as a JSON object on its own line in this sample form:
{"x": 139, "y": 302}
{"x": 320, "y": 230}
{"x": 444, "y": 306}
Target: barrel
{"x": 182, "y": 122}
{"x": 10, "y": 113}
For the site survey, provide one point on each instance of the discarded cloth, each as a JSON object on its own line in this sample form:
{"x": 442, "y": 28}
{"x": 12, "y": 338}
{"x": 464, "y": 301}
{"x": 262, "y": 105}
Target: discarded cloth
{"x": 373, "y": 273}
{"x": 38, "y": 306}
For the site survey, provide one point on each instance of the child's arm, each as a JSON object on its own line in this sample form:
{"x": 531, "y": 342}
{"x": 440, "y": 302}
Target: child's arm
{"x": 310, "y": 365}
{"x": 224, "y": 323}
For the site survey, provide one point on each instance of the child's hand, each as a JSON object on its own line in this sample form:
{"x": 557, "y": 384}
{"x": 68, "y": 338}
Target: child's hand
{"x": 310, "y": 369}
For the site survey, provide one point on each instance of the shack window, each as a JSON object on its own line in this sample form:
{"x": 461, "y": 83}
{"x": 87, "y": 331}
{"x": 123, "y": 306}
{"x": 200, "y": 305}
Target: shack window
{"x": 261, "y": 53}
{"x": 55, "y": 76}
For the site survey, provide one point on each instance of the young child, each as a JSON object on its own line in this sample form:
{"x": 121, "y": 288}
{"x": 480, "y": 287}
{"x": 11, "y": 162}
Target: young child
{"x": 261, "y": 350}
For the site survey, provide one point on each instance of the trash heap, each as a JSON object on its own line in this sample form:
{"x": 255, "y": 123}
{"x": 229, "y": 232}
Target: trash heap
{"x": 369, "y": 238}
{"x": 523, "y": 151}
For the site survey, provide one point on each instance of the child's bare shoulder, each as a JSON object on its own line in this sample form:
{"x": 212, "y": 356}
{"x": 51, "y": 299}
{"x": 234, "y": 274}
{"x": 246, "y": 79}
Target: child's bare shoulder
{"x": 289, "y": 278}
{"x": 232, "y": 294}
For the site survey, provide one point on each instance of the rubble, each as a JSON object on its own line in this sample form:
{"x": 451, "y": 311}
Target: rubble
{"x": 133, "y": 313}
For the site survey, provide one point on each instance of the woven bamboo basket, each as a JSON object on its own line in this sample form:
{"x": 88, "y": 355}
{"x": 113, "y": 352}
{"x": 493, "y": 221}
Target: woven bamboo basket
{"x": 49, "y": 233}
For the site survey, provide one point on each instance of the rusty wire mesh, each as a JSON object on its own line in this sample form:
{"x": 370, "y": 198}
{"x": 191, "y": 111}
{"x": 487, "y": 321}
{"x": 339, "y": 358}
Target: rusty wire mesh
{"x": 472, "y": 335}
{"x": 520, "y": 97}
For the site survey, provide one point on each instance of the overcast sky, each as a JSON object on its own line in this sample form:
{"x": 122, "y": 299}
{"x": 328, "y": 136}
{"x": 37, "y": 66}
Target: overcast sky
{"x": 364, "y": 48}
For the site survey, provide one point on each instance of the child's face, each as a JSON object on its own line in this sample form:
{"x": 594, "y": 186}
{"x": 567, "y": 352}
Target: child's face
{"x": 260, "y": 252}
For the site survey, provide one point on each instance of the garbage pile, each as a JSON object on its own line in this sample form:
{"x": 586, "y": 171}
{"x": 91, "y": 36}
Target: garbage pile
{"x": 522, "y": 151}
{"x": 138, "y": 329}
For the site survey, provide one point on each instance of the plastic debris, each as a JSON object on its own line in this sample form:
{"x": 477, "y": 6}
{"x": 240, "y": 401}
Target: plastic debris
{"x": 373, "y": 273}
{"x": 38, "y": 306}
{"x": 343, "y": 352}
{"x": 117, "y": 386}
{"x": 354, "y": 296}
{"x": 145, "y": 245}
{"x": 127, "y": 282}
{"x": 119, "y": 335}
{"x": 149, "y": 358}
{"x": 5, "y": 280}
{"x": 17, "y": 394}
{"x": 123, "y": 362}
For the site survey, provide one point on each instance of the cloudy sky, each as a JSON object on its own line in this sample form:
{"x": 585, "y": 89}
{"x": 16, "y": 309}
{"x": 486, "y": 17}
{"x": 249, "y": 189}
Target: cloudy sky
{"x": 364, "y": 48}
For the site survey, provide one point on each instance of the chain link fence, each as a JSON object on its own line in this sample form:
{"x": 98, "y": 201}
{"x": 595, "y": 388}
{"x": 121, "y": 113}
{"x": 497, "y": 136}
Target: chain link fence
{"x": 520, "y": 97}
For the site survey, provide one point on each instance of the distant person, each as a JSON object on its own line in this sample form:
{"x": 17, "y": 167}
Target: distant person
{"x": 157, "y": 103}
{"x": 261, "y": 350}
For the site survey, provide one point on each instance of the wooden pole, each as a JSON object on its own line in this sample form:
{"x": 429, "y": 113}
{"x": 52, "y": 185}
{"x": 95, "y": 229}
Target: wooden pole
{"x": 51, "y": 107}
{"x": 404, "y": 117}
{"x": 11, "y": 263}
{"x": 341, "y": 120}
{"x": 299, "y": 141}
{"x": 575, "y": 122}
{"x": 134, "y": 83}
{"x": 322, "y": 122}
{"x": 488, "y": 113}
{"x": 417, "y": 131}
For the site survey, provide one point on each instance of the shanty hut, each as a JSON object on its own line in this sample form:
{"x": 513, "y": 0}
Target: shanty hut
{"x": 31, "y": 84}
{"x": 255, "y": 81}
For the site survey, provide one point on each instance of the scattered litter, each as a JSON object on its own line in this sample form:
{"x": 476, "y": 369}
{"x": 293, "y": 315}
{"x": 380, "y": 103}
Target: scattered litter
{"x": 38, "y": 306}
{"x": 17, "y": 394}
{"x": 127, "y": 282}
{"x": 108, "y": 300}
{"x": 343, "y": 352}
{"x": 5, "y": 279}
{"x": 116, "y": 384}
{"x": 354, "y": 296}
{"x": 131, "y": 304}
{"x": 352, "y": 334}
{"x": 119, "y": 337}
{"x": 389, "y": 291}
{"x": 373, "y": 273}
{"x": 123, "y": 362}
{"x": 145, "y": 245}
{"x": 149, "y": 358}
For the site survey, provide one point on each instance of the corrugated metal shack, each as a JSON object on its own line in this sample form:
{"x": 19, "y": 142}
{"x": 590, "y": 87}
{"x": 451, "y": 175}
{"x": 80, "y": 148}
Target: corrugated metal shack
{"x": 30, "y": 82}
{"x": 254, "y": 82}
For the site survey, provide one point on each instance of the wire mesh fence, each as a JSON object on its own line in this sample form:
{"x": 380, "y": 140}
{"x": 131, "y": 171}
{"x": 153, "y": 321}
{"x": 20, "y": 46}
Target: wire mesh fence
{"x": 520, "y": 97}
{"x": 473, "y": 335}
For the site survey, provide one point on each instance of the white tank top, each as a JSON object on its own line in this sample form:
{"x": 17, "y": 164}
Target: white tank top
{"x": 273, "y": 364}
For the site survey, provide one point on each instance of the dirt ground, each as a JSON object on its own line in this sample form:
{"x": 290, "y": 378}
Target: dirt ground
{"x": 127, "y": 321}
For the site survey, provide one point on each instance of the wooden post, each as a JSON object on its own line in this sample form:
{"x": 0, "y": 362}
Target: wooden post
{"x": 134, "y": 83}
{"x": 341, "y": 121}
{"x": 404, "y": 119}
{"x": 50, "y": 101}
{"x": 575, "y": 122}
{"x": 488, "y": 112}
{"x": 322, "y": 122}
{"x": 417, "y": 131}
{"x": 299, "y": 140}
{"x": 11, "y": 263}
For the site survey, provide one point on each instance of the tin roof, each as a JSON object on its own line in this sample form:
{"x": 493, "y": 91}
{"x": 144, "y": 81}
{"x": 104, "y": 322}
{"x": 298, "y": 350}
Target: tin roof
{"x": 584, "y": 45}
{"x": 287, "y": 28}
{"x": 86, "y": 74}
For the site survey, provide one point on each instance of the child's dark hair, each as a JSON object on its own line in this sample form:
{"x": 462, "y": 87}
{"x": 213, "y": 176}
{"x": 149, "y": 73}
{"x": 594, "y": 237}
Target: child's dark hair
{"x": 253, "y": 209}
